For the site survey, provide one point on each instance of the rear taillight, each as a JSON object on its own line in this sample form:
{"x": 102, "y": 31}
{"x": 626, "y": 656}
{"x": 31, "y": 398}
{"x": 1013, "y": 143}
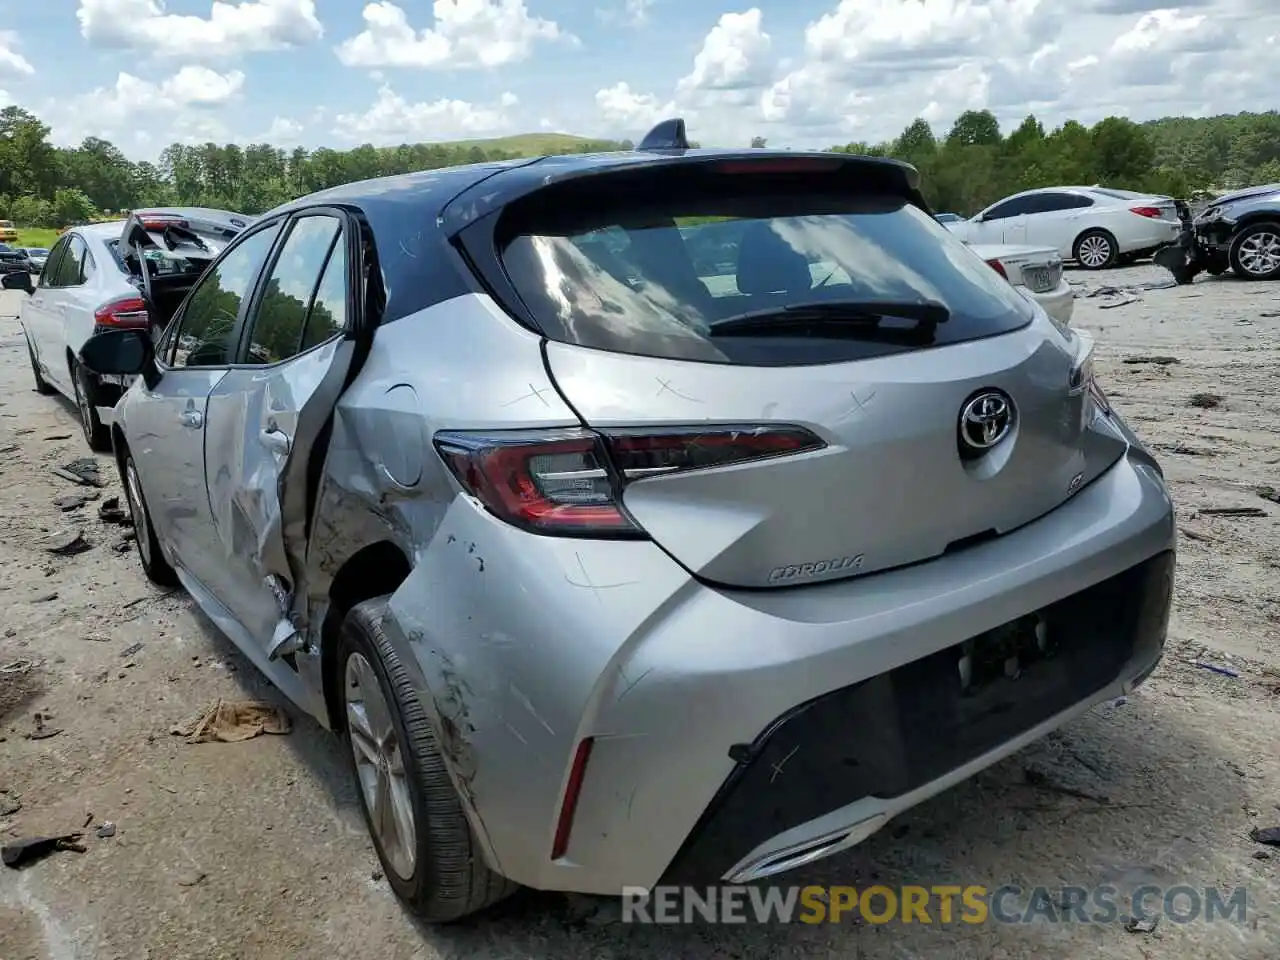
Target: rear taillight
{"x": 156, "y": 222}
{"x": 1155, "y": 213}
{"x": 998, "y": 267}
{"x": 125, "y": 312}
{"x": 569, "y": 482}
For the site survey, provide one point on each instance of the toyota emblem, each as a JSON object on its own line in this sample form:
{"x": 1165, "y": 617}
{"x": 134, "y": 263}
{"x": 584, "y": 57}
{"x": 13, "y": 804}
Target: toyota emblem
{"x": 985, "y": 420}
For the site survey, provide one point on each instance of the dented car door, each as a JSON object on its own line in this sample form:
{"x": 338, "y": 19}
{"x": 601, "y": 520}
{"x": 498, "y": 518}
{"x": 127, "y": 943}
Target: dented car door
{"x": 266, "y": 416}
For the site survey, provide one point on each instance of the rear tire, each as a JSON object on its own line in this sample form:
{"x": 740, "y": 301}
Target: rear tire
{"x": 1255, "y": 252}
{"x": 154, "y": 565}
{"x": 1096, "y": 250}
{"x": 447, "y": 877}
{"x": 42, "y": 385}
{"x": 96, "y": 434}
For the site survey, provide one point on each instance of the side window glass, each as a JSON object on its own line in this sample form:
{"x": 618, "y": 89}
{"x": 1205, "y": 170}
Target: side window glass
{"x": 208, "y": 320}
{"x": 88, "y": 268}
{"x": 69, "y": 267}
{"x": 48, "y": 276}
{"x": 328, "y": 315}
{"x": 1079, "y": 202}
{"x": 282, "y": 313}
{"x": 1010, "y": 208}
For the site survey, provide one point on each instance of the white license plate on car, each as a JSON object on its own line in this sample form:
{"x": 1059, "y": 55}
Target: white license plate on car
{"x": 1037, "y": 279}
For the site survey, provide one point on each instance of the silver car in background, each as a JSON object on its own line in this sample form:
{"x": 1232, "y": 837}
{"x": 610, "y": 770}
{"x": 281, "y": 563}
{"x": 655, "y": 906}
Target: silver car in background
{"x": 656, "y": 516}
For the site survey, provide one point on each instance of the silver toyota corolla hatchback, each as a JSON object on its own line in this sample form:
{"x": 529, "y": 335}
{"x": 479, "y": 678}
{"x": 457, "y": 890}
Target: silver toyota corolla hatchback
{"x": 662, "y": 516}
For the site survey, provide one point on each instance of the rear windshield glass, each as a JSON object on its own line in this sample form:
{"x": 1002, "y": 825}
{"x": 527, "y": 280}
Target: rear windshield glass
{"x": 652, "y": 265}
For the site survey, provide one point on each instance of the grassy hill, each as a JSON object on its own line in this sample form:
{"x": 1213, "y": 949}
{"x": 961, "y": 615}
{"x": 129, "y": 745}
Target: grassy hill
{"x": 535, "y": 144}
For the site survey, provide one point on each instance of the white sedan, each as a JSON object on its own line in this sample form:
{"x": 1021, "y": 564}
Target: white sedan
{"x": 1036, "y": 272}
{"x": 1095, "y": 226}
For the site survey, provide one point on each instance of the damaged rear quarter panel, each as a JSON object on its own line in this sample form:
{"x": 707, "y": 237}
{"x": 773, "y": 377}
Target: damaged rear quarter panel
{"x": 458, "y": 365}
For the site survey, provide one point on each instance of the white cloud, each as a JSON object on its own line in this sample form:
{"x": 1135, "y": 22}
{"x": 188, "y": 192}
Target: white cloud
{"x": 231, "y": 29}
{"x": 393, "y": 120}
{"x": 868, "y": 67}
{"x": 630, "y": 113}
{"x": 283, "y": 132}
{"x": 467, "y": 33}
{"x": 12, "y": 62}
{"x": 632, "y": 13}
{"x": 124, "y": 112}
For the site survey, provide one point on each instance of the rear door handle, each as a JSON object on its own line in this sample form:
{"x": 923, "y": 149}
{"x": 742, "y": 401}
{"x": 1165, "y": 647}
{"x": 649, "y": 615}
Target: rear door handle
{"x": 276, "y": 440}
{"x": 193, "y": 419}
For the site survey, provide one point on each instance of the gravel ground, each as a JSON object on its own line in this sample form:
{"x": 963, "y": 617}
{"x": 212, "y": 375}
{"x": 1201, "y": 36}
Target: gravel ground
{"x": 257, "y": 849}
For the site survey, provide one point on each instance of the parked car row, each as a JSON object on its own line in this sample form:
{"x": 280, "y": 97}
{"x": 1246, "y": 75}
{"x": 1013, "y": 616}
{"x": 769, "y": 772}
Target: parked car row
{"x": 587, "y": 497}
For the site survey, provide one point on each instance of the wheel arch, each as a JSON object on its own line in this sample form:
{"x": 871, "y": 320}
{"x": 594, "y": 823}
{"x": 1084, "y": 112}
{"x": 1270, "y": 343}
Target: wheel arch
{"x": 374, "y": 570}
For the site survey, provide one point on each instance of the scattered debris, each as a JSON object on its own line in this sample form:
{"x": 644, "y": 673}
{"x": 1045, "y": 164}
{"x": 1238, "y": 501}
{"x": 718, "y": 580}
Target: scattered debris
{"x": 42, "y": 730}
{"x": 122, "y": 546}
{"x": 67, "y": 543}
{"x": 1270, "y": 314}
{"x": 16, "y": 667}
{"x": 1232, "y": 511}
{"x": 74, "y": 501}
{"x": 22, "y": 852}
{"x": 9, "y": 803}
{"x": 192, "y": 878}
{"x": 1192, "y": 534}
{"x": 1145, "y": 925}
{"x": 1261, "y": 855}
{"x": 1118, "y": 303}
{"x": 111, "y": 512}
{"x": 1035, "y": 778}
{"x": 1163, "y": 284}
{"x": 130, "y": 650}
{"x": 58, "y": 436}
{"x": 1268, "y": 493}
{"x": 106, "y": 830}
{"x": 233, "y": 722}
{"x": 45, "y": 597}
{"x": 1268, "y": 835}
{"x": 1205, "y": 401}
{"x": 1224, "y": 671}
{"x": 85, "y": 471}
{"x": 1185, "y": 449}
{"x": 1157, "y": 360}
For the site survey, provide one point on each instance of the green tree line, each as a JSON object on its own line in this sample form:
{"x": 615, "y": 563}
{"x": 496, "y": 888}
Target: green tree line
{"x": 973, "y": 165}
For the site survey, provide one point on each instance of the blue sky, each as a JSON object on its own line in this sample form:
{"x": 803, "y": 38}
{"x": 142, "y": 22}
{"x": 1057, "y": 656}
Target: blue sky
{"x": 144, "y": 73}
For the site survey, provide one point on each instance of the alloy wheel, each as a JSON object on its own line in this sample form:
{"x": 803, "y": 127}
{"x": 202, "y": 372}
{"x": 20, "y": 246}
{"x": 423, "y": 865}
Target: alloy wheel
{"x": 380, "y": 767}
{"x": 1259, "y": 253}
{"x": 1094, "y": 251}
{"x": 82, "y": 404}
{"x": 141, "y": 529}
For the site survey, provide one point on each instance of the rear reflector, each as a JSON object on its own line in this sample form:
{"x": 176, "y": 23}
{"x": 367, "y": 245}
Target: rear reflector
{"x": 570, "y": 482}
{"x": 998, "y": 267}
{"x": 569, "y": 805}
{"x": 123, "y": 313}
{"x": 1154, "y": 213}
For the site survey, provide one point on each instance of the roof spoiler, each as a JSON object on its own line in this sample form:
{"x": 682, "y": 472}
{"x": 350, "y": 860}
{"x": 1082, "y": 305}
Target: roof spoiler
{"x": 667, "y": 135}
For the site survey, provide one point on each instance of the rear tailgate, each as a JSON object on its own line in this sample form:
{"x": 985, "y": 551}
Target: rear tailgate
{"x": 802, "y": 451}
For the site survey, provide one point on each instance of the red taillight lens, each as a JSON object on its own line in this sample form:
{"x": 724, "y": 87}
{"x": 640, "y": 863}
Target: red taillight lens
{"x": 998, "y": 267}
{"x": 569, "y": 805}
{"x": 156, "y": 222}
{"x": 1152, "y": 212}
{"x": 569, "y": 482}
{"x": 125, "y": 312}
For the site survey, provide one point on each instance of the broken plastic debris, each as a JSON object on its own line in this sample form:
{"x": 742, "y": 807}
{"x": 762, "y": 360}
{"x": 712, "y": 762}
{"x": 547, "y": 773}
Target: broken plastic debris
{"x": 22, "y": 852}
{"x": 233, "y": 722}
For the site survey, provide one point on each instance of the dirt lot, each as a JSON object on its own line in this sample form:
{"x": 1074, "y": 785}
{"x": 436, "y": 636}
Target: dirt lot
{"x": 257, "y": 849}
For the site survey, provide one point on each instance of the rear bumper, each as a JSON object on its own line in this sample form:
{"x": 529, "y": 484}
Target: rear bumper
{"x": 723, "y": 720}
{"x": 1059, "y": 302}
{"x": 831, "y": 772}
{"x": 1159, "y": 234}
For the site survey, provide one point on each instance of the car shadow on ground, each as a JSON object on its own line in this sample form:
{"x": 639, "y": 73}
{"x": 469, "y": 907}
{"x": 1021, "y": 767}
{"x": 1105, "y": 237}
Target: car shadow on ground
{"x": 1111, "y": 798}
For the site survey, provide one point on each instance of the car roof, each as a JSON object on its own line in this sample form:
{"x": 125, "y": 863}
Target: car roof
{"x": 107, "y": 230}
{"x": 465, "y": 193}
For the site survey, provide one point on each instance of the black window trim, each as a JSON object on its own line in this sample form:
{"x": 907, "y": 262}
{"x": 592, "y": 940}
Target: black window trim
{"x": 169, "y": 340}
{"x": 1007, "y": 201}
{"x": 350, "y": 235}
{"x": 71, "y": 237}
